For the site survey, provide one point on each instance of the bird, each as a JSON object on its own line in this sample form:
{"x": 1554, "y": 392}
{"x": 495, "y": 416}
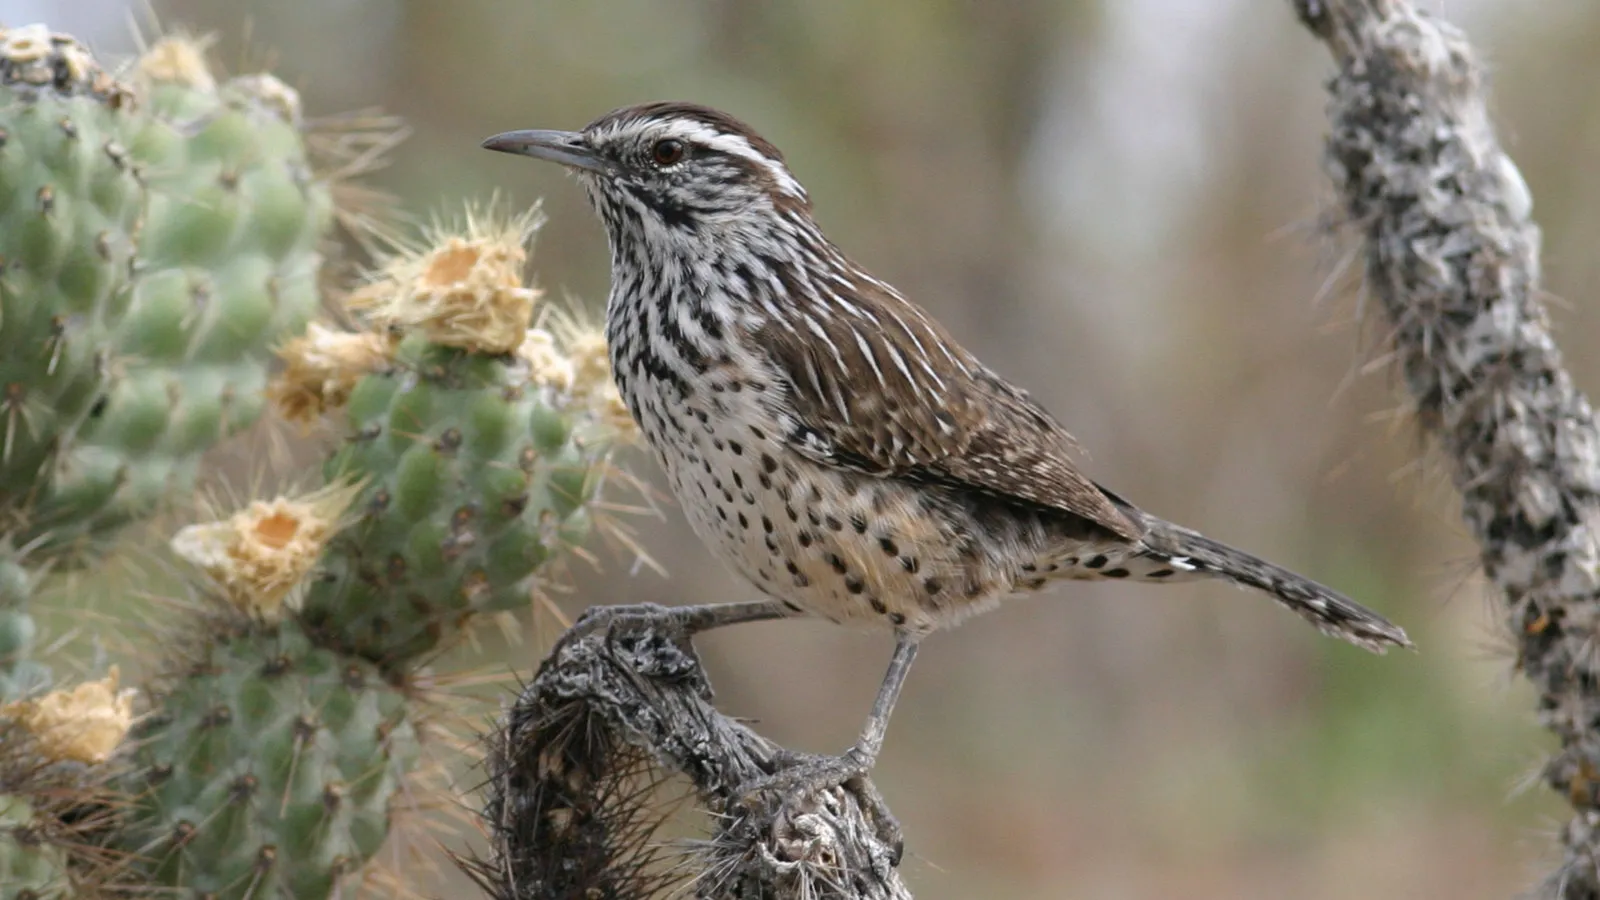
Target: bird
{"x": 826, "y": 437}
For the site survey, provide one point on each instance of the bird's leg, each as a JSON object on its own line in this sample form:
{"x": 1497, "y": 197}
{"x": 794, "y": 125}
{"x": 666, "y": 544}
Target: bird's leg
{"x": 690, "y": 619}
{"x": 865, "y": 752}
{"x": 850, "y": 769}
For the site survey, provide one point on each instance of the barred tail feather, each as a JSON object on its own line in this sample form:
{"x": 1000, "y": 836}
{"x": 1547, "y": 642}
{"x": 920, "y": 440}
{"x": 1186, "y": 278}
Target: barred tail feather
{"x": 1177, "y": 548}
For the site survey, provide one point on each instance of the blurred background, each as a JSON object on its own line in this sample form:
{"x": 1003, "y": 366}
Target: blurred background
{"x": 1116, "y": 203}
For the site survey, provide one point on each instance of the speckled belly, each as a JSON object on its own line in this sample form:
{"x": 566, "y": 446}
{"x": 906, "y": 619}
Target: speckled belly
{"x": 847, "y": 547}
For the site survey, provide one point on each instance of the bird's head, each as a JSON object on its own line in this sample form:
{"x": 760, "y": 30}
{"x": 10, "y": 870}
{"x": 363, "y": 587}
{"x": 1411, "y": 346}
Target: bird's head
{"x": 670, "y": 172}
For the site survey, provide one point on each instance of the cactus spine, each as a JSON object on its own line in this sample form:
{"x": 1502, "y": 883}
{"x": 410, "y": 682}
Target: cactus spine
{"x": 482, "y": 444}
{"x": 161, "y": 239}
{"x": 471, "y": 449}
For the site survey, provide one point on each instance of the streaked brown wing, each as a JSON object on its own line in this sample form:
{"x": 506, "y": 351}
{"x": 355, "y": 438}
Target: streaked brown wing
{"x": 878, "y": 387}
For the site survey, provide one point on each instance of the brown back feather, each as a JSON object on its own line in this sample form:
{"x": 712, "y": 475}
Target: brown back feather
{"x": 886, "y": 391}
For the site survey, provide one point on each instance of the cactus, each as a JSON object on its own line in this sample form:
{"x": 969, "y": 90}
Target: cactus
{"x": 162, "y": 239}
{"x": 269, "y": 767}
{"x": 481, "y": 443}
{"x": 83, "y": 725}
{"x": 30, "y": 866}
{"x": 159, "y": 237}
{"x": 283, "y": 739}
{"x": 70, "y": 203}
{"x": 53, "y": 750}
{"x": 20, "y": 674}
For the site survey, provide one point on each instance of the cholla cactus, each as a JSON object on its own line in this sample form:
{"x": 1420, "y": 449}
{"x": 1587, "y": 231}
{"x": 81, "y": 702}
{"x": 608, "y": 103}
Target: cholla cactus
{"x": 20, "y": 674}
{"x": 481, "y": 441}
{"x": 162, "y": 239}
{"x": 161, "y": 235}
{"x": 53, "y": 748}
{"x": 259, "y": 557}
{"x": 268, "y": 766}
{"x": 84, "y": 724}
{"x": 283, "y": 740}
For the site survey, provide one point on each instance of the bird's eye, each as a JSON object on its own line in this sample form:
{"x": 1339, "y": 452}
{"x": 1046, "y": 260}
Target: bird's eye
{"x": 667, "y": 151}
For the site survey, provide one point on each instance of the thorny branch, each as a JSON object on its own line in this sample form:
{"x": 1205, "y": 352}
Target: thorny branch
{"x": 578, "y": 764}
{"x": 1452, "y": 256}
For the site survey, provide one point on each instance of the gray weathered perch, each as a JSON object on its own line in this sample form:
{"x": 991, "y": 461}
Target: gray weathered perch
{"x": 576, "y": 772}
{"x": 1452, "y": 256}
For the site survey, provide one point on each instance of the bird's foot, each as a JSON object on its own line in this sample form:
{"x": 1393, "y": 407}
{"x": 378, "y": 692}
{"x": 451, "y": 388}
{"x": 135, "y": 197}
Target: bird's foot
{"x": 689, "y": 620}
{"x": 597, "y": 617}
{"x": 620, "y": 619}
{"x": 803, "y": 774}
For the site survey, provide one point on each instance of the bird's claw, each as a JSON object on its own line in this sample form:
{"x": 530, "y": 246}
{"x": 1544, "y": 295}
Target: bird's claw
{"x": 801, "y": 775}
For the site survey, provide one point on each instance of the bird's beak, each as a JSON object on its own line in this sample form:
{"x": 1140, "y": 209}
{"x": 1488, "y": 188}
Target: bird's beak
{"x": 565, "y": 147}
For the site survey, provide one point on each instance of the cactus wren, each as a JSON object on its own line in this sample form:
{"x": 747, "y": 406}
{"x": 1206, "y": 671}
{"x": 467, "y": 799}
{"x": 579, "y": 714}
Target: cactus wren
{"x": 826, "y": 437}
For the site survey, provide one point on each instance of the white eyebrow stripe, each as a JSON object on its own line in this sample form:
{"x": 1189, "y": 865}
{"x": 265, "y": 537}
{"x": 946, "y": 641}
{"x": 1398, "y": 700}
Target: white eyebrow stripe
{"x": 740, "y": 146}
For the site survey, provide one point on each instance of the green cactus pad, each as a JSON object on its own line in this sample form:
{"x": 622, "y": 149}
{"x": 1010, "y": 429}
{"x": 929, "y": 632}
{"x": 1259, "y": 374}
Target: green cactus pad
{"x": 20, "y": 675}
{"x": 229, "y": 261}
{"x": 70, "y": 202}
{"x": 156, "y": 245}
{"x": 476, "y": 476}
{"x": 268, "y": 769}
{"x": 31, "y": 866}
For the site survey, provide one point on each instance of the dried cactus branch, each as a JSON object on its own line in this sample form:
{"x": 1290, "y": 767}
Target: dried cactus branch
{"x": 576, "y": 763}
{"x": 1452, "y": 256}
